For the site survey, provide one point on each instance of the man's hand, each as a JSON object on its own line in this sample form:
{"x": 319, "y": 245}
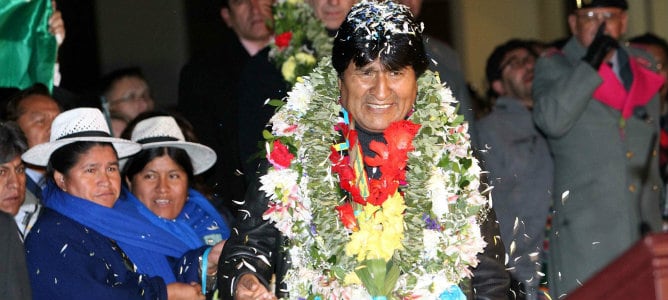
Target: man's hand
{"x": 599, "y": 48}
{"x": 249, "y": 287}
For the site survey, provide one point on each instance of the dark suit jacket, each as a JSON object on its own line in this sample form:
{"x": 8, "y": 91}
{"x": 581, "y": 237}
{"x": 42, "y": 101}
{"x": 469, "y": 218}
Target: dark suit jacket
{"x": 14, "y": 281}
{"x": 207, "y": 98}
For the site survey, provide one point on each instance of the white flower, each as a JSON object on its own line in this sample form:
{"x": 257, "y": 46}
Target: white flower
{"x": 278, "y": 181}
{"x": 300, "y": 97}
{"x": 431, "y": 240}
{"x": 430, "y": 286}
{"x": 438, "y": 193}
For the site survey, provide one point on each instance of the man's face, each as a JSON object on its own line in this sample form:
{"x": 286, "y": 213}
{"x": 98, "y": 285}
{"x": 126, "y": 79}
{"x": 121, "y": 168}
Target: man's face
{"x": 332, "y": 12}
{"x": 516, "y": 74}
{"x": 585, "y": 22}
{"x": 36, "y": 115}
{"x": 248, "y": 18}
{"x": 130, "y": 96}
{"x": 12, "y": 186}
{"x": 375, "y": 97}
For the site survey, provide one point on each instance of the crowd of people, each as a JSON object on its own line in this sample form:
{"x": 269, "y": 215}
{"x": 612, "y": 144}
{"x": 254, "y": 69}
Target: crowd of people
{"x": 355, "y": 174}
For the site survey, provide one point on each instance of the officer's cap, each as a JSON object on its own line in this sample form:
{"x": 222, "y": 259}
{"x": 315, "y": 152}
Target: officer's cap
{"x": 579, "y": 4}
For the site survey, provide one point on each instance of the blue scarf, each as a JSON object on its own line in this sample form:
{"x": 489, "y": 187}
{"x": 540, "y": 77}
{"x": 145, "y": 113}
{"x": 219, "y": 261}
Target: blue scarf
{"x": 146, "y": 244}
{"x": 198, "y": 224}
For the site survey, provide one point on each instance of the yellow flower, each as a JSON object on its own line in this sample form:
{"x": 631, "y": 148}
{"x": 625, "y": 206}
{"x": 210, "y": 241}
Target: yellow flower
{"x": 305, "y": 59}
{"x": 351, "y": 278}
{"x": 381, "y": 230}
{"x": 295, "y": 1}
{"x": 288, "y": 69}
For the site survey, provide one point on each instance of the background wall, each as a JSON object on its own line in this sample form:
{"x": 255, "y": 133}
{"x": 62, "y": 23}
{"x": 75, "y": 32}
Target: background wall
{"x": 160, "y": 35}
{"x": 151, "y": 34}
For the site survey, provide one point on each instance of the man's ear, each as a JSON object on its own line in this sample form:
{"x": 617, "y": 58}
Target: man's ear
{"x": 59, "y": 178}
{"x": 497, "y": 87}
{"x": 225, "y": 14}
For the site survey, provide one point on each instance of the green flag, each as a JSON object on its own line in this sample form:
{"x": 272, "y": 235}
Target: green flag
{"x": 27, "y": 49}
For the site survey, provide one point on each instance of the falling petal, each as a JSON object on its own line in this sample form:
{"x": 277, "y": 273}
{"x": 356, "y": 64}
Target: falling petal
{"x": 564, "y": 196}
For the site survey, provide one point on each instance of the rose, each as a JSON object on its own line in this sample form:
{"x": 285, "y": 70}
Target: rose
{"x": 283, "y": 40}
{"x": 280, "y": 157}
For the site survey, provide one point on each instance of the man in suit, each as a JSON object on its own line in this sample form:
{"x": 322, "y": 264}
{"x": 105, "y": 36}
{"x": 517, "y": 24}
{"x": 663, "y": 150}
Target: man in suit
{"x": 597, "y": 102}
{"x": 208, "y": 88}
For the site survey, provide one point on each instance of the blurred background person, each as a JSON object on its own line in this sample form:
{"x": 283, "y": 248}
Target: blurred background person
{"x": 262, "y": 79}
{"x": 127, "y": 92}
{"x": 208, "y": 91}
{"x": 518, "y": 160}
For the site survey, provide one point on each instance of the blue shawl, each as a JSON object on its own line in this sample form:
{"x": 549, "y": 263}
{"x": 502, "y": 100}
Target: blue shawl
{"x": 147, "y": 245}
{"x": 199, "y": 223}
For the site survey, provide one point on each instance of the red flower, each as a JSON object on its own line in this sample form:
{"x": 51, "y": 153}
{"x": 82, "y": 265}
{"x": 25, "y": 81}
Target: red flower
{"x": 400, "y": 134}
{"x": 283, "y": 40}
{"x": 280, "y": 157}
{"x": 347, "y": 216}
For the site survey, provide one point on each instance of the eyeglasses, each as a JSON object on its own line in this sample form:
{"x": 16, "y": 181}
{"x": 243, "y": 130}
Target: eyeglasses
{"x": 518, "y": 62}
{"x": 132, "y": 98}
{"x": 592, "y": 16}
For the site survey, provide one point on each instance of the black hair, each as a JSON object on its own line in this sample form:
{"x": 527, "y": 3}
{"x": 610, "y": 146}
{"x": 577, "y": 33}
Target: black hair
{"x": 493, "y": 69}
{"x": 136, "y": 163}
{"x": 108, "y": 80}
{"x": 66, "y": 157}
{"x": 14, "y": 110}
{"x": 650, "y": 39}
{"x": 384, "y": 30}
{"x": 12, "y": 142}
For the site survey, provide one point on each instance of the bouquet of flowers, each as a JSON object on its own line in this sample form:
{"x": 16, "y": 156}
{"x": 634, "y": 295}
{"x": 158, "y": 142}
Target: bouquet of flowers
{"x": 300, "y": 39}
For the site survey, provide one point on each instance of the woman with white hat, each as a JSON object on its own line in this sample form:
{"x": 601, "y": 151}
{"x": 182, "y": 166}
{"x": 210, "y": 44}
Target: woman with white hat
{"x": 160, "y": 178}
{"x": 82, "y": 246}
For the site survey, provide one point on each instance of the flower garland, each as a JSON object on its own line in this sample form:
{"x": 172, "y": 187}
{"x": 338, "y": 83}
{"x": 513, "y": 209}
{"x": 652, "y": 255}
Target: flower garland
{"x": 300, "y": 39}
{"x": 436, "y": 211}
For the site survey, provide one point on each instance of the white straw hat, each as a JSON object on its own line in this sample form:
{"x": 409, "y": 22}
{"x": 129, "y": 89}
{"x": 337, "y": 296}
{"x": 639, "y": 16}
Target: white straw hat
{"x": 78, "y": 125}
{"x": 163, "y": 131}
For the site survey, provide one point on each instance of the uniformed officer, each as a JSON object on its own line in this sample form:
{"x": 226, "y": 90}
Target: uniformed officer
{"x": 597, "y": 103}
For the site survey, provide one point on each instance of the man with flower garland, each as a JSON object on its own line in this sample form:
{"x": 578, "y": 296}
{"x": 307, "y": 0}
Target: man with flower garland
{"x": 378, "y": 56}
{"x": 598, "y": 104}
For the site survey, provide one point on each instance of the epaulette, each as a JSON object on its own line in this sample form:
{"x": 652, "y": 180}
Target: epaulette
{"x": 552, "y": 51}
